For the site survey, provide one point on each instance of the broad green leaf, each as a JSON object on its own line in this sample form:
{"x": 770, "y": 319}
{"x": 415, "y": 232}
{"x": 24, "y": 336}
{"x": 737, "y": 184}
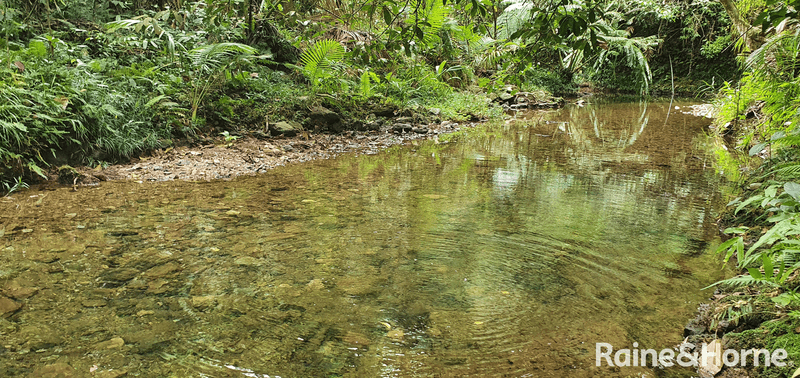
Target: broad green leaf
{"x": 793, "y": 189}
{"x": 755, "y": 273}
{"x": 771, "y": 191}
{"x": 747, "y": 202}
{"x": 783, "y": 299}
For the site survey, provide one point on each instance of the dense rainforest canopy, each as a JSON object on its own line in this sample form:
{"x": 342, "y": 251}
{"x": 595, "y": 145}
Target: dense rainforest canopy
{"x": 95, "y": 82}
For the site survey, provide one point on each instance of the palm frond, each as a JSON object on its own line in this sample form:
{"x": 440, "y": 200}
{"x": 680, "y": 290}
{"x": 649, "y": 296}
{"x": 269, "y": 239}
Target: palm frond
{"x": 210, "y": 58}
{"x": 318, "y": 59}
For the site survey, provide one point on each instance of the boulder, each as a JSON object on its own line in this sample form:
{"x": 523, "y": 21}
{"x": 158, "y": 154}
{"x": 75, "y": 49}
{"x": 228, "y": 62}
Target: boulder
{"x": 326, "y": 119}
{"x": 693, "y": 328}
{"x": 402, "y": 127}
{"x": 286, "y": 128}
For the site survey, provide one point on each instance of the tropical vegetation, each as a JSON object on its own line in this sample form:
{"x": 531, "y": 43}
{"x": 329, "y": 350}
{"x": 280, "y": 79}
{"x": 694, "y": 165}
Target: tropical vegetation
{"x": 100, "y": 82}
{"x": 93, "y": 83}
{"x": 757, "y": 122}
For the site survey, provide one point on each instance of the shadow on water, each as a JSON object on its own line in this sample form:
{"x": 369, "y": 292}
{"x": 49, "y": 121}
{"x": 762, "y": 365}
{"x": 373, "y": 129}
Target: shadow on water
{"x": 509, "y": 252}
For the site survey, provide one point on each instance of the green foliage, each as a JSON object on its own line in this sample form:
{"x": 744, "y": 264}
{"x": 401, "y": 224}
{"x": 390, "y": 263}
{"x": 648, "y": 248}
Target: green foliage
{"x": 771, "y": 335}
{"x": 775, "y": 254}
{"x": 14, "y": 185}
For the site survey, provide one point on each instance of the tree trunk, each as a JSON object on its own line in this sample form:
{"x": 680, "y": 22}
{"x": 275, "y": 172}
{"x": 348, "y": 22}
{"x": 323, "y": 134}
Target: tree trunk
{"x": 743, "y": 27}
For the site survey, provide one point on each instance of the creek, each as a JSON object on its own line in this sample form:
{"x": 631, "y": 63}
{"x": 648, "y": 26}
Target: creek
{"x": 508, "y": 251}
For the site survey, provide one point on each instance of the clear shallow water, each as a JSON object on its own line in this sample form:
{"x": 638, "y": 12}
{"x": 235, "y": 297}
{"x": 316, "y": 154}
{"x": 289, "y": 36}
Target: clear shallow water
{"x": 509, "y": 252}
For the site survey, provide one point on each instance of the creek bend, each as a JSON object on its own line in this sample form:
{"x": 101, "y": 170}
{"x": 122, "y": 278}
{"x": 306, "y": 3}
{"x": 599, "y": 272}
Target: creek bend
{"x": 508, "y": 252}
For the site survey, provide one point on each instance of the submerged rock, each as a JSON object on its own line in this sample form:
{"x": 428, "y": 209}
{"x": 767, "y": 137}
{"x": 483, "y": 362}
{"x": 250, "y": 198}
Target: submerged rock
{"x": 114, "y": 343}
{"x": 18, "y": 291}
{"x": 59, "y": 370}
{"x": 247, "y": 261}
{"x": 162, "y": 270}
{"x": 8, "y": 306}
{"x": 356, "y": 338}
{"x": 316, "y": 284}
{"x": 118, "y": 276}
{"x": 396, "y": 334}
{"x": 693, "y": 328}
{"x": 204, "y": 302}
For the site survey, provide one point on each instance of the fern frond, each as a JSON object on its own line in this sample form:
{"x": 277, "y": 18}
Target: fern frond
{"x": 738, "y": 281}
{"x": 791, "y": 171}
{"x": 366, "y": 83}
{"x": 788, "y": 140}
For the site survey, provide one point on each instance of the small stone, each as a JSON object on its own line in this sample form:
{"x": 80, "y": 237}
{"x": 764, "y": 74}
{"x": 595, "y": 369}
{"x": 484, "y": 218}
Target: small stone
{"x": 326, "y": 119}
{"x": 114, "y": 343}
{"x": 420, "y": 130}
{"x": 232, "y": 212}
{"x": 402, "y": 127}
{"x": 505, "y": 96}
{"x": 145, "y": 313}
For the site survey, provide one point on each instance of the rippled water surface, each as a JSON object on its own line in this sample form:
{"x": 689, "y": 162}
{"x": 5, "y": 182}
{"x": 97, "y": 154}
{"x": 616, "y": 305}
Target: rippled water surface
{"x": 508, "y": 252}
